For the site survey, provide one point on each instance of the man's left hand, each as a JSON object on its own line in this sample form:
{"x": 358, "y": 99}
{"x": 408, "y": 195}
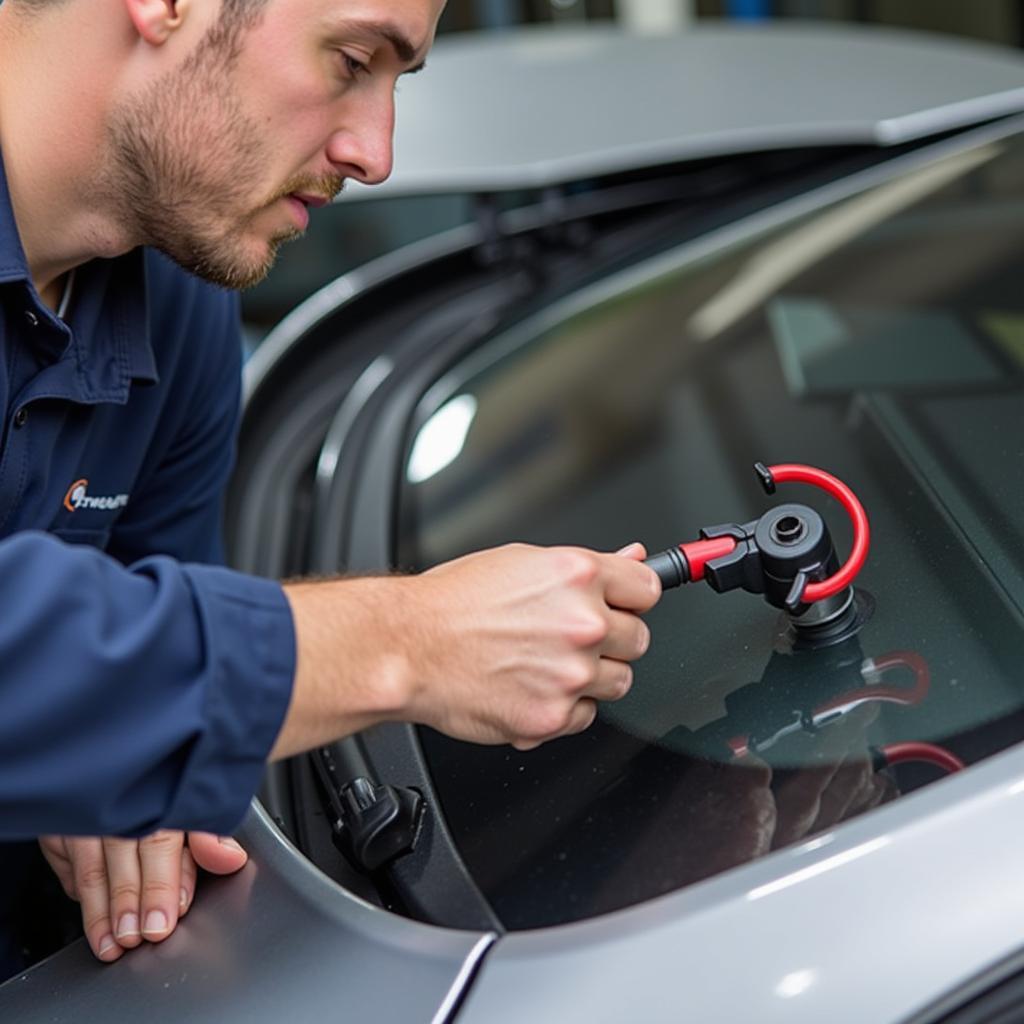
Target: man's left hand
{"x": 136, "y": 889}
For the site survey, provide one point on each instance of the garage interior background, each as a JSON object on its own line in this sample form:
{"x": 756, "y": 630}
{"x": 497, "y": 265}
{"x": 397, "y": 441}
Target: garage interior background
{"x": 345, "y": 236}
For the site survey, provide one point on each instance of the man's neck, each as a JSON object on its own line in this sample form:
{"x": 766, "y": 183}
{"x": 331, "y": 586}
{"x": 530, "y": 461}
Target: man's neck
{"x": 53, "y": 293}
{"x": 51, "y": 137}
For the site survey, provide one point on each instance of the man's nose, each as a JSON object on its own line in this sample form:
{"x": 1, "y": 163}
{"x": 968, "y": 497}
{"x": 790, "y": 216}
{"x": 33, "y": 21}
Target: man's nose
{"x": 362, "y": 147}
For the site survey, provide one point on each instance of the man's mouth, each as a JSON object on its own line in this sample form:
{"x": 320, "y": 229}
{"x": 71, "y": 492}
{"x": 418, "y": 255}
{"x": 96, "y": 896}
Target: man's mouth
{"x": 302, "y": 202}
{"x": 300, "y": 211}
{"x": 310, "y": 200}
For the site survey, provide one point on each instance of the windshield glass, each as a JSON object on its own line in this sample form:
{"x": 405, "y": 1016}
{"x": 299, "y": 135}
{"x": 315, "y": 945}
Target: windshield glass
{"x": 880, "y": 338}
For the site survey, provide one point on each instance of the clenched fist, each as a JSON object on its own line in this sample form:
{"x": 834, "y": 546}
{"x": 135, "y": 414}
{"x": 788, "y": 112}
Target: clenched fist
{"x": 518, "y": 644}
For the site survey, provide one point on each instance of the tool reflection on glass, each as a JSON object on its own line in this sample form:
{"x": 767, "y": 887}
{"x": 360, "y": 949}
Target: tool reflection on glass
{"x": 820, "y": 674}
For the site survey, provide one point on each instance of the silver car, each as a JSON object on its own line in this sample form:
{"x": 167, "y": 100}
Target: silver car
{"x": 687, "y": 255}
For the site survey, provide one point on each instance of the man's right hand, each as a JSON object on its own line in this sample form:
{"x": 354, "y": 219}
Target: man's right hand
{"x": 532, "y": 639}
{"x": 512, "y": 645}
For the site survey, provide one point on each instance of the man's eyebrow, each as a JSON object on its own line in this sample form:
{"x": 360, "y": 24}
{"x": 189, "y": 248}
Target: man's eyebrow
{"x": 404, "y": 49}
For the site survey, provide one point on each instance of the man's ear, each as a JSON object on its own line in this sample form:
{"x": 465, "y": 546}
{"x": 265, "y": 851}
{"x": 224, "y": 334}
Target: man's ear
{"x": 156, "y": 20}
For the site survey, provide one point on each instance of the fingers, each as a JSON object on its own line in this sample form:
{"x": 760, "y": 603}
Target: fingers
{"x": 627, "y": 637}
{"x": 143, "y": 885}
{"x": 515, "y": 637}
{"x": 628, "y": 583}
{"x": 124, "y": 882}
{"x": 636, "y": 551}
{"x": 56, "y": 855}
{"x": 160, "y": 859}
{"x": 220, "y": 855}
{"x": 580, "y": 717}
{"x": 90, "y": 875}
{"x": 132, "y": 889}
{"x": 612, "y": 680}
{"x": 189, "y": 871}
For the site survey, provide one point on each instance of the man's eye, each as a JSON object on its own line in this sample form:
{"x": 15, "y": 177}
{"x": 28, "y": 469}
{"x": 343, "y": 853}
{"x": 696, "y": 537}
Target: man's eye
{"x": 354, "y": 67}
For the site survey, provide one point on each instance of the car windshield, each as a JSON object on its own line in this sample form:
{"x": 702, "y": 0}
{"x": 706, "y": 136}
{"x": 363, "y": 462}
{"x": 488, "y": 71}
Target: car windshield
{"x": 880, "y": 337}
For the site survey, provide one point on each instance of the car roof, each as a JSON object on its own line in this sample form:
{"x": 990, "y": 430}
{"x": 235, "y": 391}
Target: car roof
{"x": 541, "y": 106}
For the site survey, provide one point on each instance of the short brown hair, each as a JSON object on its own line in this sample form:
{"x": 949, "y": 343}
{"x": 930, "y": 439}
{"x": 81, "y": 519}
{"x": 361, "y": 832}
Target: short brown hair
{"x": 241, "y": 13}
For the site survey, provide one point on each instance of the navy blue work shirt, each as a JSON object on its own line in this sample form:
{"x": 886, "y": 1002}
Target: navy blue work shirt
{"x": 139, "y": 689}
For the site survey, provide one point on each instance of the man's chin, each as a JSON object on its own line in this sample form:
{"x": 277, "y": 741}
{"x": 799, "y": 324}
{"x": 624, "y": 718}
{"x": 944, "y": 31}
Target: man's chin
{"x": 234, "y": 270}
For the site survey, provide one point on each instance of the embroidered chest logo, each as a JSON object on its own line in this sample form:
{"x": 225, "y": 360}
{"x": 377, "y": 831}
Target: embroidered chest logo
{"x": 78, "y": 497}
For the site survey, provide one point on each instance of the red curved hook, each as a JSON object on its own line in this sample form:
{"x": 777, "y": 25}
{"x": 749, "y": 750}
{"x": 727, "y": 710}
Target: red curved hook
{"x": 787, "y": 472}
{"x": 872, "y": 670}
{"x": 898, "y": 753}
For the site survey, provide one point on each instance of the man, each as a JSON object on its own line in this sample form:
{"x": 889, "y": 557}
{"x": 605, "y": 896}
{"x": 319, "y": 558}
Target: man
{"x": 142, "y": 691}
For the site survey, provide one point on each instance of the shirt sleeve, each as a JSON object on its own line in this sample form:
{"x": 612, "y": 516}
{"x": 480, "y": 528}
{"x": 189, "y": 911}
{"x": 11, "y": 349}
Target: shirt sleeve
{"x": 134, "y": 698}
{"x": 145, "y": 689}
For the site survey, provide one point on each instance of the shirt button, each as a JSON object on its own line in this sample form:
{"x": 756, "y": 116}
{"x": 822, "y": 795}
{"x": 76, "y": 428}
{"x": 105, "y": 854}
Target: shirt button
{"x": 21, "y": 417}
{"x": 31, "y": 319}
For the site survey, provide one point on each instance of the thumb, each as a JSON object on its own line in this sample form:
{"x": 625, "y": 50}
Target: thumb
{"x": 636, "y": 551}
{"x": 220, "y": 855}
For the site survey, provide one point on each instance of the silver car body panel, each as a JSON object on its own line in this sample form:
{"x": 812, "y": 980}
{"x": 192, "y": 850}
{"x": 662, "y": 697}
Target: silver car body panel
{"x": 279, "y": 941}
{"x": 545, "y": 107}
{"x": 870, "y": 922}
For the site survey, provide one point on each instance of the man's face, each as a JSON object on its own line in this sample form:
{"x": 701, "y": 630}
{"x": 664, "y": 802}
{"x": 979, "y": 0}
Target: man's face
{"x": 217, "y": 162}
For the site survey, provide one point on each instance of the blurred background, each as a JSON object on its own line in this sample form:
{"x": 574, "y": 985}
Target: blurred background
{"x": 350, "y": 234}
{"x": 997, "y": 20}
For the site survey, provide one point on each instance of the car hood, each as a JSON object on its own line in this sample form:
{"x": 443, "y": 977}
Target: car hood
{"x": 547, "y": 106}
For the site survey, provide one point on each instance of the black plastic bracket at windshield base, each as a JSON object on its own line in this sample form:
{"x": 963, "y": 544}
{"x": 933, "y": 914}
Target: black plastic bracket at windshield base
{"x": 371, "y": 824}
{"x": 431, "y": 879}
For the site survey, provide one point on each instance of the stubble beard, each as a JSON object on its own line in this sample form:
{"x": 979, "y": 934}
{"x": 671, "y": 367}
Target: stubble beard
{"x": 185, "y": 166}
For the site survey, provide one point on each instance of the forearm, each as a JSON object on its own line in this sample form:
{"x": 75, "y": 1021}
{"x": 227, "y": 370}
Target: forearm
{"x": 353, "y": 658}
{"x": 513, "y": 645}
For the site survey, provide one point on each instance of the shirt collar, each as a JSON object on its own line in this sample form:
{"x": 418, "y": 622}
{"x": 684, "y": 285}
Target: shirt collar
{"x": 108, "y": 359}
{"x": 111, "y": 328}
{"x": 13, "y": 265}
